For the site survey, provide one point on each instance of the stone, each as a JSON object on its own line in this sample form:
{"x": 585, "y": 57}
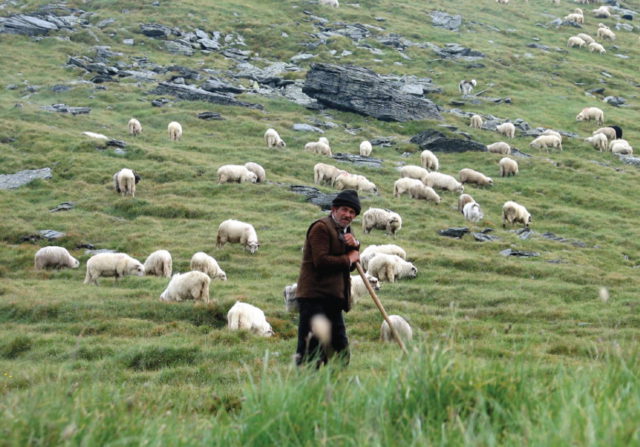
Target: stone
{"x": 484, "y": 237}
{"x": 160, "y": 102}
{"x": 155, "y": 31}
{"x": 315, "y": 196}
{"x": 218, "y": 85}
{"x": 302, "y": 57}
{"x": 128, "y": 41}
{"x": 51, "y": 234}
{"x": 64, "y": 206}
{"x": 521, "y": 253}
{"x": 437, "y": 142}
{"x": 629, "y": 160}
{"x": 615, "y": 101}
{"x": 21, "y": 178}
{"x": 210, "y": 116}
{"x": 191, "y": 93}
{"x": 27, "y": 25}
{"x": 116, "y": 143}
{"x": 358, "y": 160}
{"x": 63, "y": 108}
{"x": 454, "y": 232}
{"x": 447, "y": 21}
{"x": 99, "y": 251}
{"x": 299, "y": 127}
{"x": 457, "y": 51}
{"x": 383, "y": 141}
{"x": 178, "y": 47}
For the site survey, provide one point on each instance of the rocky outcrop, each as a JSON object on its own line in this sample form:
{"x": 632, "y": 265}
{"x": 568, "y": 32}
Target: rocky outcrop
{"x": 438, "y": 142}
{"x": 63, "y": 108}
{"x": 12, "y": 181}
{"x": 191, "y": 93}
{"x": 446, "y": 21}
{"x": 42, "y": 22}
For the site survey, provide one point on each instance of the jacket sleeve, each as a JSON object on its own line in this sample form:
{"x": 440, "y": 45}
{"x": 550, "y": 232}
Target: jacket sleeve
{"x": 319, "y": 240}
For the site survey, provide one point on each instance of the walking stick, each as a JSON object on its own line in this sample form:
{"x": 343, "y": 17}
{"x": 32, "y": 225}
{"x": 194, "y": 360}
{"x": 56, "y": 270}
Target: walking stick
{"x": 380, "y": 308}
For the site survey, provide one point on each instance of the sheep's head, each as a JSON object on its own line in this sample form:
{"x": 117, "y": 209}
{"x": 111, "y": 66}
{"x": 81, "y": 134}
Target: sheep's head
{"x": 266, "y": 330}
{"x": 221, "y": 276}
{"x": 375, "y": 283}
{"x": 75, "y": 263}
{"x": 136, "y": 269}
{"x": 253, "y": 247}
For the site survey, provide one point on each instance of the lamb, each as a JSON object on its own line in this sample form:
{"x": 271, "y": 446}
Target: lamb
{"x": 499, "y": 148}
{"x": 544, "y": 141}
{"x": 372, "y": 250}
{"x": 365, "y": 148}
{"x": 204, "y": 263}
{"x": 575, "y": 41}
{"x": 326, "y": 173}
{"x": 272, "y": 138}
{"x": 508, "y": 167}
{"x": 159, "y": 263}
{"x": 258, "y": 170}
{"x": 332, "y": 3}
{"x": 598, "y": 141}
{"x": 605, "y": 33}
{"x": 443, "y": 181}
{"x": 472, "y": 212}
{"x": 591, "y": 113}
{"x": 390, "y": 267}
{"x": 125, "y": 181}
{"x": 175, "y": 130}
{"x": 429, "y": 161}
{"x": 112, "y": 264}
{"x": 466, "y": 87}
{"x": 424, "y": 192}
{"x": 56, "y": 257}
{"x": 507, "y": 129}
{"x": 513, "y": 212}
{"x": 415, "y": 172}
{"x": 377, "y": 218}
{"x": 467, "y": 175}
{"x": 609, "y": 132}
{"x": 236, "y": 174}
{"x": 248, "y": 317}
{"x": 602, "y": 12}
{"x": 318, "y": 147}
{"x": 403, "y": 329}
{"x": 463, "y": 200}
{"x": 187, "y": 286}
{"x": 354, "y": 181}
{"x": 236, "y": 231}
{"x": 476, "y": 122}
{"x": 595, "y": 46}
{"x": 587, "y": 38}
{"x": 135, "y": 128}
{"x": 620, "y": 146}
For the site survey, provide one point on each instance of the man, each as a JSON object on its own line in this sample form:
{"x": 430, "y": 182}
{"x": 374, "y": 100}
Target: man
{"x": 330, "y": 253}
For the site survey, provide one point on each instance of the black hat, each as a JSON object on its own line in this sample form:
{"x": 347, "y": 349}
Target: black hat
{"x": 349, "y": 198}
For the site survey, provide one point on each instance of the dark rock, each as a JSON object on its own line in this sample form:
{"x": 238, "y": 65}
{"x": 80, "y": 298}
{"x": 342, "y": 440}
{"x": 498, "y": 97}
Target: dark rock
{"x": 178, "y": 47}
{"x": 78, "y": 62}
{"x": 191, "y": 93}
{"x": 447, "y": 21}
{"x": 457, "y": 51}
{"x": 51, "y": 234}
{"x": 106, "y": 22}
{"x": 116, "y": 143}
{"x": 315, "y": 196}
{"x": 156, "y": 31}
{"x": 629, "y": 160}
{"x": 300, "y": 127}
{"x": 160, "y": 102}
{"x": 27, "y": 25}
{"x": 383, "y": 142}
{"x": 13, "y": 181}
{"x": 210, "y": 116}
{"x": 524, "y": 233}
{"x": 236, "y": 54}
{"x": 360, "y": 90}
{"x": 358, "y": 160}
{"x": 454, "y": 232}
{"x": 99, "y": 79}
{"x": 627, "y": 16}
{"x": 438, "y": 142}
{"x": 64, "y": 206}
{"x": 218, "y": 85}
{"x": 88, "y": 246}
{"x": 184, "y": 72}
{"x": 553, "y": 237}
{"x": 596, "y": 91}
{"x": 60, "y": 88}
{"x": 208, "y": 44}
{"x": 616, "y": 101}
{"x": 63, "y": 108}
{"x": 483, "y": 237}
{"x": 510, "y": 252}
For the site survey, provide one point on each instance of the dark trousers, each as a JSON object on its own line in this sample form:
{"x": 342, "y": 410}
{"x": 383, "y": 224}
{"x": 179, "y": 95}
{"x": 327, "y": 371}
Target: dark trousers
{"x": 309, "y": 348}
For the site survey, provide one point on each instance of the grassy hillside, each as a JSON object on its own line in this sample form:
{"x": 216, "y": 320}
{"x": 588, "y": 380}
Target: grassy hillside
{"x": 508, "y": 350}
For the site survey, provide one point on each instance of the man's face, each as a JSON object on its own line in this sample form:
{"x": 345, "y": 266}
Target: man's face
{"x": 343, "y": 215}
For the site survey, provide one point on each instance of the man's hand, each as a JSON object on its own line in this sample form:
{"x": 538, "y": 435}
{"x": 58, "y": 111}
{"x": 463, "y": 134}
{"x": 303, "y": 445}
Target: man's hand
{"x": 351, "y": 241}
{"x": 354, "y": 256}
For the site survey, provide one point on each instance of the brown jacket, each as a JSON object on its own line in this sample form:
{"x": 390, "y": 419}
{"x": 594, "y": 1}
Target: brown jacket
{"x": 325, "y": 265}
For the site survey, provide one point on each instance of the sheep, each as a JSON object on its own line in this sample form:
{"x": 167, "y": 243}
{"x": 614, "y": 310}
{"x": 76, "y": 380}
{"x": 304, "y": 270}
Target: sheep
{"x": 466, "y": 87}
{"x": 248, "y": 317}
{"x": 272, "y": 138}
{"x": 618, "y": 131}
{"x": 609, "y": 132}
{"x": 125, "y": 181}
{"x": 56, "y": 257}
{"x": 372, "y": 250}
{"x": 236, "y": 231}
{"x": 204, "y": 263}
{"x": 415, "y": 172}
{"x": 620, "y": 146}
{"x": 513, "y": 212}
{"x": 544, "y": 141}
{"x": 602, "y": 12}
{"x": 467, "y": 175}
{"x": 326, "y": 173}
{"x": 354, "y": 181}
{"x": 332, "y": 3}
{"x": 472, "y": 212}
{"x": 595, "y": 46}
{"x": 187, "y": 286}
{"x": 324, "y": 140}
{"x": 365, "y": 148}
{"x": 575, "y": 41}
{"x": 112, "y": 264}
{"x": 443, "y": 181}
{"x": 424, "y": 192}
{"x": 377, "y": 218}
{"x": 403, "y": 329}
{"x": 508, "y": 167}
{"x": 573, "y": 17}
{"x": 502, "y": 2}
{"x": 403, "y": 185}
{"x": 591, "y": 113}
{"x": 158, "y": 263}
{"x": 258, "y": 170}
{"x": 318, "y": 148}
{"x": 290, "y": 301}
{"x": 135, "y": 128}
{"x": 175, "y": 130}
{"x": 476, "y": 122}
{"x": 236, "y": 174}
{"x": 507, "y": 129}
{"x": 587, "y": 38}
{"x": 390, "y": 267}
{"x": 463, "y": 200}
{"x": 552, "y": 132}
{"x": 499, "y": 147}
{"x": 605, "y": 33}
{"x": 598, "y": 141}
{"x": 429, "y": 161}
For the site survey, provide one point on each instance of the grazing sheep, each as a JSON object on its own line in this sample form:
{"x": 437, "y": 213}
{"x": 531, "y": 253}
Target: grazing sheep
{"x": 507, "y": 129}
{"x": 159, "y": 263}
{"x": 595, "y": 46}
{"x": 467, "y": 175}
{"x": 463, "y": 200}
{"x": 602, "y": 12}
{"x": 502, "y": 2}
{"x": 236, "y": 231}
{"x": 324, "y": 140}
{"x": 332, "y": 3}
{"x": 598, "y": 141}
{"x": 403, "y": 329}
{"x": 552, "y": 132}
{"x": 591, "y": 113}
{"x": 112, "y": 264}
{"x": 508, "y": 167}
{"x": 125, "y": 181}
{"x": 620, "y": 146}
{"x": 609, "y": 132}
{"x": 403, "y": 185}
{"x": 424, "y": 192}
{"x": 187, "y": 286}
{"x": 513, "y": 212}
{"x": 365, "y": 148}
{"x": 272, "y": 138}
{"x": 476, "y": 122}
{"x": 618, "y": 131}
{"x": 258, "y": 170}
{"x": 575, "y": 41}
{"x": 248, "y": 317}
{"x": 391, "y": 267}
{"x": 318, "y": 147}
{"x": 377, "y": 218}
{"x": 236, "y": 174}
{"x": 605, "y": 33}
{"x": 354, "y": 181}
{"x": 372, "y": 250}
{"x": 56, "y": 257}
{"x": 175, "y": 130}
{"x": 443, "y": 181}
{"x": 290, "y": 301}
{"x": 574, "y": 17}
{"x": 499, "y": 148}
{"x": 326, "y": 173}
{"x": 415, "y": 172}
{"x": 466, "y": 87}
{"x": 587, "y": 38}
{"x": 429, "y": 161}
{"x": 472, "y": 212}
{"x": 135, "y": 128}
{"x": 204, "y": 263}
{"x": 544, "y": 141}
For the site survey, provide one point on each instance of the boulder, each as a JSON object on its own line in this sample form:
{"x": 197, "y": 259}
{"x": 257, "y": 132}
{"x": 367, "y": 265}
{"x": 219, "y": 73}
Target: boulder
{"x": 155, "y": 30}
{"x": 454, "y": 232}
{"x": 191, "y": 93}
{"x": 447, "y": 21}
{"x": 315, "y": 196}
{"x": 521, "y": 253}
{"x": 438, "y": 142}
{"x": 64, "y": 206}
{"x": 359, "y": 160}
{"x": 210, "y": 116}
{"x": 13, "y": 181}
{"x": 63, "y": 108}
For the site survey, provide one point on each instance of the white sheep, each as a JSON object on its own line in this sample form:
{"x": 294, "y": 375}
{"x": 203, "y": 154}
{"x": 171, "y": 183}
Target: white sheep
{"x": 429, "y": 161}
{"x": 552, "y": 132}
{"x": 290, "y": 301}
{"x": 403, "y": 185}
{"x": 502, "y": 2}
{"x": 187, "y": 286}
{"x": 574, "y": 17}
{"x": 236, "y": 231}
{"x": 513, "y": 212}
{"x": 378, "y": 218}
{"x": 508, "y": 167}
{"x": 318, "y": 147}
{"x": 354, "y": 181}
{"x": 507, "y": 129}
{"x": 413, "y": 171}
{"x": 159, "y": 263}
{"x": 443, "y": 181}
{"x": 135, "y": 128}
{"x": 332, "y": 3}
{"x": 605, "y": 33}
{"x": 466, "y": 87}
{"x": 575, "y": 41}
{"x": 499, "y": 147}
{"x": 467, "y": 175}
{"x": 324, "y": 140}
{"x": 125, "y": 181}
{"x": 591, "y": 113}
{"x": 258, "y": 170}
{"x": 365, "y": 148}
{"x": 204, "y": 263}
{"x": 620, "y": 146}
{"x": 390, "y": 267}
{"x": 463, "y": 200}
{"x": 245, "y": 316}
{"x": 596, "y": 47}
{"x": 272, "y": 138}
{"x": 112, "y": 264}
{"x": 424, "y": 192}
{"x": 602, "y": 12}
{"x": 372, "y": 250}
{"x": 56, "y": 257}
{"x": 476, "y": 122}
{"x": 175, "y": 130}
{"x": 403, "y": 329}
{"x": 546, "y": 141}
{"x": 236, "y": 174}
{"x": 587, "y": 38}
{"x": 326, "y": 173}
{"x": 609, "y": 132}
{"x": 598, "y": 141}
{"x": 472, "y": 212}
